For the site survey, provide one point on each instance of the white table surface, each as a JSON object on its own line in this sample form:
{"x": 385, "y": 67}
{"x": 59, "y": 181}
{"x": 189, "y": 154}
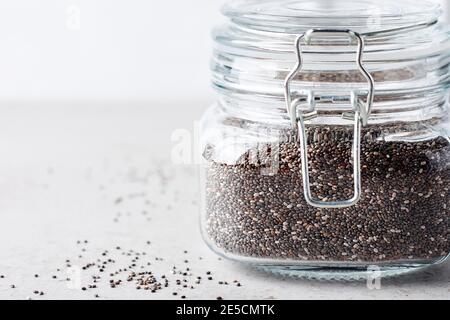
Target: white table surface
{"x": 67, "y": 171}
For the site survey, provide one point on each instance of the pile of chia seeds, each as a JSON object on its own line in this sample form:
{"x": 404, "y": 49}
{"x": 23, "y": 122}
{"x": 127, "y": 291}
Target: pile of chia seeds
{"x": 118, "y": 268}
{"x": 403, "y": 215}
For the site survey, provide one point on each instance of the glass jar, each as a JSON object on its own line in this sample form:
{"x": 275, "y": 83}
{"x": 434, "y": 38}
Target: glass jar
{"x": 328, "y": 151}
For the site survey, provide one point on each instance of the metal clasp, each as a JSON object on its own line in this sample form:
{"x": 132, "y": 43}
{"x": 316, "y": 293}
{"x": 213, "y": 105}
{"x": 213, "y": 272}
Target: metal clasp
{"x": 359, "y": 115}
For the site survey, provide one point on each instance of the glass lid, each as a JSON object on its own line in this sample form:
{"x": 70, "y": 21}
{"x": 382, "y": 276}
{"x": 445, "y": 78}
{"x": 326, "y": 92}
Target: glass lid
{"x": 406, "y": 50}
{"x": 363, "y": 16}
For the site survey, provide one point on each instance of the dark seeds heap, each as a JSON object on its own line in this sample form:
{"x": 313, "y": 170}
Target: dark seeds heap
{"x": 404, "y": 212}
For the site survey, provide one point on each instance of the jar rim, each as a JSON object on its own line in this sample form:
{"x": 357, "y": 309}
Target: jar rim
{"x": 365, "y": 16}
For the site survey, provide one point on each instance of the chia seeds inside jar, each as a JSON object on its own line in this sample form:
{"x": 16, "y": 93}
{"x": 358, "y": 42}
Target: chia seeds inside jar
{"x": 320, "y": 161}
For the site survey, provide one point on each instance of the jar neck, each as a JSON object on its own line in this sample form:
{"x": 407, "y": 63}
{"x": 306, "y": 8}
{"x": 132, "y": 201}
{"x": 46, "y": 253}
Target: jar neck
{"x": 266, "y": 111}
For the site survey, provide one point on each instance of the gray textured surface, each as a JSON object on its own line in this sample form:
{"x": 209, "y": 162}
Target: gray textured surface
{"x": 62, "y": 171}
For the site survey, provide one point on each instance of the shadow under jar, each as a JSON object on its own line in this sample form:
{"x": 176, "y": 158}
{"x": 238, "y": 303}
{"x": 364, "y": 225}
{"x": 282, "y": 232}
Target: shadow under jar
{"x": 327, "y": 154}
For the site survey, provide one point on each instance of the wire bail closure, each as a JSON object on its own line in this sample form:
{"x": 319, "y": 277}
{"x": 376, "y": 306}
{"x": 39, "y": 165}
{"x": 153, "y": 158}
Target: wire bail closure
{"x": 359, "y": 115}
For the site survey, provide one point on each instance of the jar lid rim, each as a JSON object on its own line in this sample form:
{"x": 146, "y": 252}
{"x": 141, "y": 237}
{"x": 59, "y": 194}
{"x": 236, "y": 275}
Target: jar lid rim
{"x": 364, "y": 16}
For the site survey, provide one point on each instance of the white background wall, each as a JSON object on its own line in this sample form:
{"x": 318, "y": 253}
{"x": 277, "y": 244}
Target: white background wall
{"x": 123, "y": 49}
{"x": 118, "y": 49}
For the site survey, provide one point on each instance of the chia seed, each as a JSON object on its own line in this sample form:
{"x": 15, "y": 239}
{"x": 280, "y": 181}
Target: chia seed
{"x": 403, "y": 214}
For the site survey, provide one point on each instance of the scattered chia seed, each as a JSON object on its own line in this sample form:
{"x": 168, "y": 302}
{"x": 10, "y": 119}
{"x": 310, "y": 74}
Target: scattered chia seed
{"x": 128, "y": 268}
